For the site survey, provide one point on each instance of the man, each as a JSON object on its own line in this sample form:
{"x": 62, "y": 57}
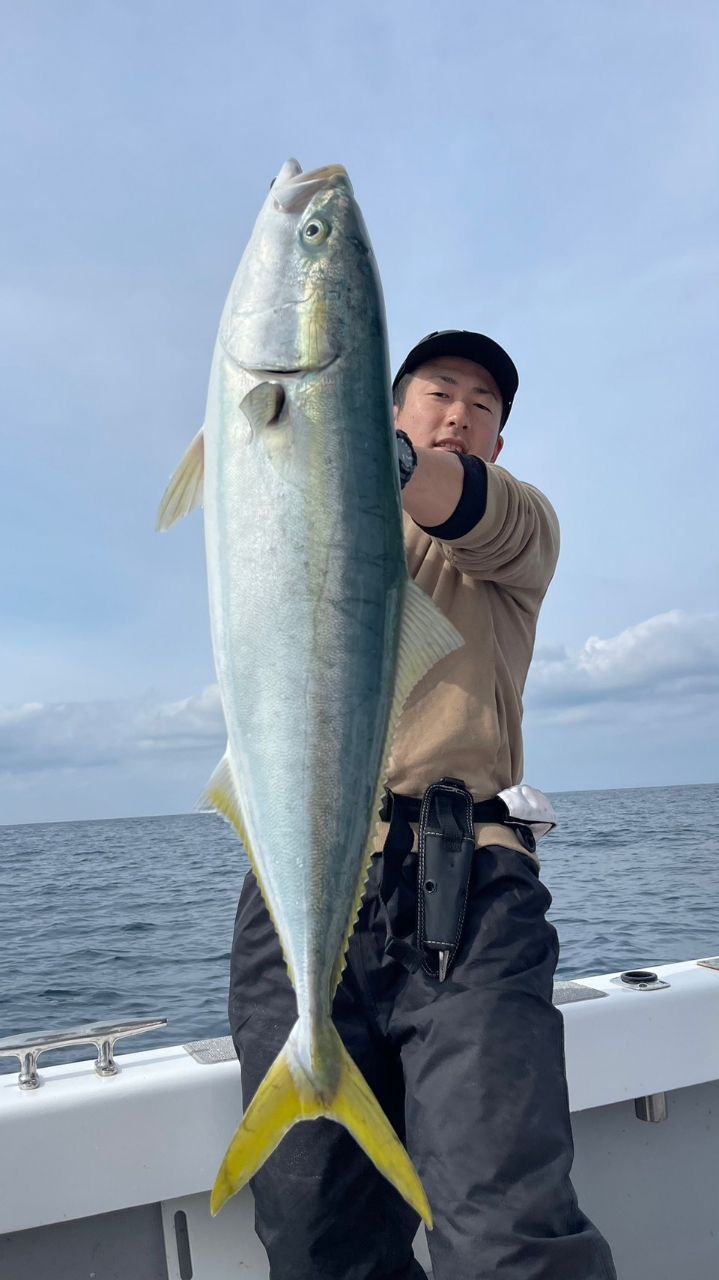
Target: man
{"x": 461, "y": 1043}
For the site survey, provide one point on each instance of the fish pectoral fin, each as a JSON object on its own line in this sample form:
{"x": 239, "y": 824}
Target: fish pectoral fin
{"x": 185, "y": 490}
{"x": 263, "y": 404}
{"x": 356, "y": 1107}
{"x": 425, "y": 637}
{"x": 279, "y": 1104}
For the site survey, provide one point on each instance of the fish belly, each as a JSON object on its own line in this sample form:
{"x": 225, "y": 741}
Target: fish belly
{"x": 306, "y": 594}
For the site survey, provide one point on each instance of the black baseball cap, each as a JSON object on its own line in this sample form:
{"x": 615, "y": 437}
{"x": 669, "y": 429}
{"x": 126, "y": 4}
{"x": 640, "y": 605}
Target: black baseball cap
{"x": 471, "y": 346}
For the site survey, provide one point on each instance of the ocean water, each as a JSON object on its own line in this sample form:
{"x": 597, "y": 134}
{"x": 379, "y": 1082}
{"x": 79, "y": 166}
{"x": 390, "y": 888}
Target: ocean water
{"x": 133, "y": 918}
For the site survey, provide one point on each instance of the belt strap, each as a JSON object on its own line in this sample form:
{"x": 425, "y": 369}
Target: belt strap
{"x": 400, "y": 810}
{"x": 409, "y": 807}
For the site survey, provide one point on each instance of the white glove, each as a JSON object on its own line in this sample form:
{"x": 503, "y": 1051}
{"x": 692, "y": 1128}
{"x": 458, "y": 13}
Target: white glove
{"x": 530, "y": 806}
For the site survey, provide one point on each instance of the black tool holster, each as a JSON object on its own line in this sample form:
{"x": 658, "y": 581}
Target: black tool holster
{"x": 446, "y": 851}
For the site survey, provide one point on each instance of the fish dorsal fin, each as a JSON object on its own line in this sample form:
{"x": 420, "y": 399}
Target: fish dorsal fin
{"x": 426, "y": 636}
{"x": 263, "y": 404}
{"x": 184, "y": 492}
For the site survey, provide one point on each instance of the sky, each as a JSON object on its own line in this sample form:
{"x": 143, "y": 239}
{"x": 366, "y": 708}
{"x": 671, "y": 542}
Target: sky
{"x": 543, "y": 172}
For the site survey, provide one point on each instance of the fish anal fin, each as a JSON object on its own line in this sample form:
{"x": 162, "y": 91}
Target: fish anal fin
{"x": 185, "y": 490}
{"x": 221, "y": 795}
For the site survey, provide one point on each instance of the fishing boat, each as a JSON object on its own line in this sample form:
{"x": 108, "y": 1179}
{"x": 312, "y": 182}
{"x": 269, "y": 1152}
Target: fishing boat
{"x": 107, "y": 1162}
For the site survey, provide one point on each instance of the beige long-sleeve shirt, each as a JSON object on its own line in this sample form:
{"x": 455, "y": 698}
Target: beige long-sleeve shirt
{"x": 464, "y": 719}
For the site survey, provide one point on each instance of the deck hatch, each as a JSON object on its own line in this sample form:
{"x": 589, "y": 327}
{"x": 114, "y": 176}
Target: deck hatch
{"x": 209, "y": 1051}
{"x": 571, "y": 992}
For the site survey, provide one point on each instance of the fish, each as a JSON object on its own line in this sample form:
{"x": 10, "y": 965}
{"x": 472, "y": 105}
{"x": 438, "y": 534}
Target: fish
{"x": 319, "y": 633}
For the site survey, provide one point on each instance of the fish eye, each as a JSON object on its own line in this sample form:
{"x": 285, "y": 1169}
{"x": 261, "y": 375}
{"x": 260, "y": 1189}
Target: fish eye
{"x": 315, "y": 231}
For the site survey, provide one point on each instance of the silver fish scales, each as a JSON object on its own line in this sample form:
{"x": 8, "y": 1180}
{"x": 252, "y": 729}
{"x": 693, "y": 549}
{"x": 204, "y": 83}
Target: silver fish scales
{"x": 318, "y": 632}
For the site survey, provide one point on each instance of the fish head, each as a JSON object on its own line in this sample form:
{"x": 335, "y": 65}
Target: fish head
{"x": 306, "y": 276}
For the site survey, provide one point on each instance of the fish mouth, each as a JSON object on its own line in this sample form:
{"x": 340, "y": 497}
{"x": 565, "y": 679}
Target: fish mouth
{"x": 293, "y": 189}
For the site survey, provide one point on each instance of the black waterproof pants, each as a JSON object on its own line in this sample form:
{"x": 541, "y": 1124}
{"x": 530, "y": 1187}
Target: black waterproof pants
{"x": 470, "y": 1072}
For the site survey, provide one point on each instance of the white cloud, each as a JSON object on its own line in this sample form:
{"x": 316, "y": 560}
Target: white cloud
{"x": 37, "y": 737}
{"x": 670, "y": 657}
{"x": 184, "y": 725}
{"x": 11, "y": 716}
{"x": 622, "y": 710}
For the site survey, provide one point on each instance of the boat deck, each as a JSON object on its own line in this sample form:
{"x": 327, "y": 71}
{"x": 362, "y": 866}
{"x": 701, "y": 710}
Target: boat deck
{"x": 118, "y": 1170}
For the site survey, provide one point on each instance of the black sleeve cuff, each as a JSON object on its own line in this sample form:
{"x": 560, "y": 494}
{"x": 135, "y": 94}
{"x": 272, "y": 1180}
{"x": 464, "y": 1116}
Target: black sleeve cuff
{"x": 472, "y": 503}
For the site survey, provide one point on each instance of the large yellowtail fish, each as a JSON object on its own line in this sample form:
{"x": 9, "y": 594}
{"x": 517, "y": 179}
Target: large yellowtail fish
{"x": 319, "y": 633}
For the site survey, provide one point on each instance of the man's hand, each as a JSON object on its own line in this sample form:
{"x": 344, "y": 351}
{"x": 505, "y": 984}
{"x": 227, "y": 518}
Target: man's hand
{"x": 431, "y": 495}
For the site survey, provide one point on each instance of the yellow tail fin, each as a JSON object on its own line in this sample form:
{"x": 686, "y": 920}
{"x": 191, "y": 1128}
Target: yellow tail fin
{"x": 279, "y": 1104}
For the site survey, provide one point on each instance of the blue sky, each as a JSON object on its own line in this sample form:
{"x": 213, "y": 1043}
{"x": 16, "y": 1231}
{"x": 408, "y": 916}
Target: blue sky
{"x": 546, "y": 173}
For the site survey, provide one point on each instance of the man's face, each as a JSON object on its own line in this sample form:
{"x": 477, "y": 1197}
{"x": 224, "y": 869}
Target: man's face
{"x": 453, "y": 403}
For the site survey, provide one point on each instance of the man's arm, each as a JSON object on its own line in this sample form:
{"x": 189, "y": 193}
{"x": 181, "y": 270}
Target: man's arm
{"x": 503, "y": 531}
{"x": 433, "y": 492}
{"x": 488, "y": 524}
